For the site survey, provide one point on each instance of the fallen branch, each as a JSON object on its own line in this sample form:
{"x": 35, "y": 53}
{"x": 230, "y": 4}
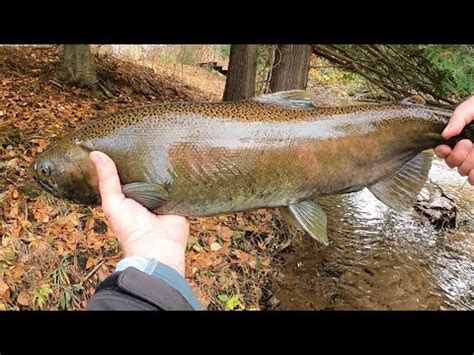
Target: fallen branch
{"x": 94, "y": 270}
{"x": 55, "y": 83}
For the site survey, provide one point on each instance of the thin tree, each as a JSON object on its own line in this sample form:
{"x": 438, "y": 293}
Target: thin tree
{"x": 77, "y": 66}
{"x": 77, "y": 69}
{"x": 240, "y": 82}
{"x": 290, "y": 67}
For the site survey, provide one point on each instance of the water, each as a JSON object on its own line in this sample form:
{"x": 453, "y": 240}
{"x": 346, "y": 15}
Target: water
{"x": 381, "y": 259}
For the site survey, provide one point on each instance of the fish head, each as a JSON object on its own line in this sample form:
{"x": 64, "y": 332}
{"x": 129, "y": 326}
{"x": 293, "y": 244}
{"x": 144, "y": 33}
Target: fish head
{"x": 66, "y": 172}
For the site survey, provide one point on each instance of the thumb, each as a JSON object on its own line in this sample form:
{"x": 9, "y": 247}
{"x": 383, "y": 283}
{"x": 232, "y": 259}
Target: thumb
{"x": 109, "y": 181}
{"x": 454, "y": 127}
{"x": 462, "y": 116}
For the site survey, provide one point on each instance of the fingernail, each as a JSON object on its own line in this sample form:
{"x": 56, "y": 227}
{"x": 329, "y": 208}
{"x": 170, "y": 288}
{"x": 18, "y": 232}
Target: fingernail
{"x": 446, "y": 134}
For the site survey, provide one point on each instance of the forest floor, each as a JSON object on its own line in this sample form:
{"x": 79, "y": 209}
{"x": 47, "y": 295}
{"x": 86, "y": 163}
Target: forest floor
{"x": 53, "y": 254}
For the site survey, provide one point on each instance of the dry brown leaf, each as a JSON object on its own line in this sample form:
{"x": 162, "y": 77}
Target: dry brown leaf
{"x": 23, "y": 299}
{"x": 226, "y": 233}
{"x": 90, "y": 223}
{"x": 215, "y": 246}
{"x": 208, "y": 224}
{"x": 90, "y": 262}
{"x": 211, "y": 239}
{"x": 252, "y": 262}
{"x": 17, "y": 273}
{"x": 6, "y": 296}
{"x": 265, "y": 261}
{"x": 5, "y": 241}
{"x": 60, "y": 250}
{"x": 3, "y": 288}
{"x": 11, "y": 164}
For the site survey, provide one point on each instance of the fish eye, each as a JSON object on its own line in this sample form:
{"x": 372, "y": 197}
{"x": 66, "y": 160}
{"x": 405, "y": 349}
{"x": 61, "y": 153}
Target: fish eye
{"x": 45, "y": 169}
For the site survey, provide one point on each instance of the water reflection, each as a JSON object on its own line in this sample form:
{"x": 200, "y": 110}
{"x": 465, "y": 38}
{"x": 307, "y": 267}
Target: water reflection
{"x": 380, "y": 259}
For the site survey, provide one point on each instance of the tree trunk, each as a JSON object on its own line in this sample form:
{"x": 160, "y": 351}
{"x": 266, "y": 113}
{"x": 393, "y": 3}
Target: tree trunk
{"x": 290, "y": 68}
{"x": 240, "y": 82}
{"x": 77, "y": 67}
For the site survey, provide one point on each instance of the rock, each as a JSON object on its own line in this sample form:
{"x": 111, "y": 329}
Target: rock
{"x": 440, "y": 209}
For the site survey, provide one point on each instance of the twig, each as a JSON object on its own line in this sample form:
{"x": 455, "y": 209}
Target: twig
{"x": 55, "y": 83}
{"x": 94, "y": 270}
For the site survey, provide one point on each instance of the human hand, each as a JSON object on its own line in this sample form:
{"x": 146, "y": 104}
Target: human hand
{"x": 462, "y": 155}
{"x": 140, "y": 232}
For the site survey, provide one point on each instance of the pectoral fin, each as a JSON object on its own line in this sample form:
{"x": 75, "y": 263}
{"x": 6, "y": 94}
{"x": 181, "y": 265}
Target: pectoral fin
{"x": 400, "y": 190}
{"x": 147, "y": 194}
{"x": 310, "y": 217}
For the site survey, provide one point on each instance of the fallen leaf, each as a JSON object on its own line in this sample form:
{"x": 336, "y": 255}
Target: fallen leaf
{"x": 215, "y": 246}
{"x": 252, "y": 262}
{"x": 17, "y": 273}
{"x": 226, "y": 233}
{"x": 90, "y": 262}
{"x": 197, "y": 248}
{"x": 237, "y": 254}
{"x": 6, "y": 296}
{"x": 23, "y": 299}
{"x": 208, "y": 224}
{"x": 11, "y": 164}
{"x": 211, "y": 239}
{"x": 265, "y": 261}
{"x": 3, "y": 287}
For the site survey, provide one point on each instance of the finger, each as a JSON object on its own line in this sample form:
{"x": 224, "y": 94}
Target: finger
{"x": 442, "y": 151}
{"x": 467, "y": 165}
{"x": 459, "y": 153}
{"x": 109, "y": 181}
{"x": 461, "y": 117}
{"x": 471, "y": 177}
{"x": 455, "y": 125}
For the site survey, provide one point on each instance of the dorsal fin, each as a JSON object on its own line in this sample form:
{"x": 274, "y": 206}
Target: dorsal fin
{"x": 292, "y": 98}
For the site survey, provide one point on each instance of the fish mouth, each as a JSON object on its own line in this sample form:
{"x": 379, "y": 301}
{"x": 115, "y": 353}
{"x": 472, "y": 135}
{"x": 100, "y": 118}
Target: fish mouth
{"x": 45, "y": 185}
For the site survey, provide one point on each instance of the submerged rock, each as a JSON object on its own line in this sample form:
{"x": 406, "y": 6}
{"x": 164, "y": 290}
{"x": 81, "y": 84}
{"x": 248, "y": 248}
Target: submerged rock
{"x": 437, "y": 207}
